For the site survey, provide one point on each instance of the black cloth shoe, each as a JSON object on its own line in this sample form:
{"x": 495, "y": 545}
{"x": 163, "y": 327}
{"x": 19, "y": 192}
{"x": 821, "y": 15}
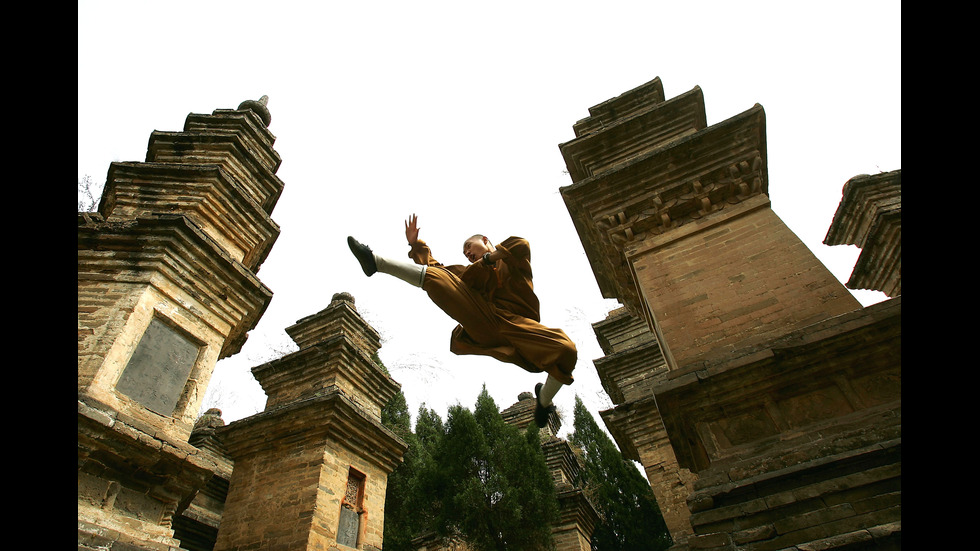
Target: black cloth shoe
{"x": 541, "y": 413}
{"x": 363, "y": 255}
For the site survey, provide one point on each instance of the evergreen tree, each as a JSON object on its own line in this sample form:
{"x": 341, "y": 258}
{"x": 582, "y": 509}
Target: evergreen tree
{"x": 501, "y": 493}
{"x": 425, "y": 497}
{"x": 395, "y": 416}
{"x": 412, "y": 503}
{"x": 630, "y": 519}
{"x": 474, "y": 477}
{"x": 398, "y": 515}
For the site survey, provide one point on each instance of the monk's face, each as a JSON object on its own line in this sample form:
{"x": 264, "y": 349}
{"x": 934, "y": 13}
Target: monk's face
{"x": 474, "y": 249}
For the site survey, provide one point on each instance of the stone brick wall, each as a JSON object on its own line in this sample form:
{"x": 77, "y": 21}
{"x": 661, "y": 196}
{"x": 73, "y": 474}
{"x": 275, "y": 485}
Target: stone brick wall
{"x": 291, "y": 472}
{"x": 104, "y": 307}
{"x": 740, "y": 278}
{"x": 294, "y": 511}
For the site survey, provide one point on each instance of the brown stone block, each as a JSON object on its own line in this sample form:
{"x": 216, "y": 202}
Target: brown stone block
{"x": 719, "y": 540}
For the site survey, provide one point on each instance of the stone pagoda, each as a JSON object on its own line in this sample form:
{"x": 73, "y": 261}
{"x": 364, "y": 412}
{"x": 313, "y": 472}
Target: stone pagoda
{"x": 577, "y": 517}
{"x": 167, "y": 286}
{"x": 762, "y": 400}
{"x": 311, "y": 471}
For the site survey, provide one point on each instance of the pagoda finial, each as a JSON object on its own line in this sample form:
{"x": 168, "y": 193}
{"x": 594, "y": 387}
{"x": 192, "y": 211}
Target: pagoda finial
{"x": 259, "y": 108}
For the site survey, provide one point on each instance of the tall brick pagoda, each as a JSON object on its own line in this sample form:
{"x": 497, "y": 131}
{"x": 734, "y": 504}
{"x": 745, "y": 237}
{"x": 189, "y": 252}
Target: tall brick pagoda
{"x": 577, "y": 517}
{"x": 167, "y": 286}
{"x": 762, "y": 400}
{"x": 311, "y": 471}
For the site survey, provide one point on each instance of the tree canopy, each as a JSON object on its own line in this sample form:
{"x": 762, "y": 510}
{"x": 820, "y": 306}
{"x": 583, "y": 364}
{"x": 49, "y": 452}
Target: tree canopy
{"x": 630, "y": 519}
{"x": 474, "y": 477}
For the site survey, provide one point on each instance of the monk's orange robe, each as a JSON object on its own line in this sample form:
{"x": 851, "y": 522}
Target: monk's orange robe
{"x": 497, "y": 310}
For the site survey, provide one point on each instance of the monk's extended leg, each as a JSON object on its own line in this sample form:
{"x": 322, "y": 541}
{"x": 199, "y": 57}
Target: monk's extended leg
{"x": 462, "y": 304}
{"x": 547, "y": 349}
{"x": 371, "y": 263}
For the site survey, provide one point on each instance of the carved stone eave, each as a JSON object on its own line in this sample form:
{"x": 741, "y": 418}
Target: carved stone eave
{"x": 337, "y": 362}
{"x": 562, "y": 461}
{"x": 339, "y": 317}
{"x": 620, "y": 329}
{"x": 239, "y": 121}
{"x": 576, "y": 510}
{"x": 232, "y": 151}
{"x": 879, "y": 267}
{"x": 620, "y": 423}
{"x": 863, "y": 199}
{"x": 663, "y": 189}
{"x": 870, "y": 217}
{"x": 226, "y": 295}
{"x": 330, "y": 415}
{"x": 631, "y": 373}
{"x": 521, "y": 414}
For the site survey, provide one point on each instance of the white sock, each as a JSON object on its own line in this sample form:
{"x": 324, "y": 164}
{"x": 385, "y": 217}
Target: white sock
{"x": 548, "y": 390}
{"x": 409, "y": 272}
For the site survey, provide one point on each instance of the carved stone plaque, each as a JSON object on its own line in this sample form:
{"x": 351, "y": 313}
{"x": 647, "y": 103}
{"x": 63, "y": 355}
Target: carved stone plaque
{"x": 348, "y": 528}
{"x": 158, "y": 370}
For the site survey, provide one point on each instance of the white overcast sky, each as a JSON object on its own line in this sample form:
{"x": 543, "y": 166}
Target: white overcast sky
{"x": 454, "y": 111}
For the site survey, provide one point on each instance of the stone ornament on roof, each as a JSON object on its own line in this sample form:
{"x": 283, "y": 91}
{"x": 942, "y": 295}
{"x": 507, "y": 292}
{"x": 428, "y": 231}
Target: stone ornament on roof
{"x": 259, "y": 108}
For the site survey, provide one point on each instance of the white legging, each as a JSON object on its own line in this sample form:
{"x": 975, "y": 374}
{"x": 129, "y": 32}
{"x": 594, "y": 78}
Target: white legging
{"x": 409, "y": 272}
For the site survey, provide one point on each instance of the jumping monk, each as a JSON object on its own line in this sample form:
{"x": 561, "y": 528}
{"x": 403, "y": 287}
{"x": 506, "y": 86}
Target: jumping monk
{"x": 494, "y": 303}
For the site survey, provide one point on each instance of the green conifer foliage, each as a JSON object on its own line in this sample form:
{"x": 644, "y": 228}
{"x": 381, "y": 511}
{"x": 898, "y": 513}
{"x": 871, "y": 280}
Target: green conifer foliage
{"x": 398, "y": 519}
{"x": 630, "y": 519}
{"x": 413, "y": 502}
{"x": 476, "y": 478}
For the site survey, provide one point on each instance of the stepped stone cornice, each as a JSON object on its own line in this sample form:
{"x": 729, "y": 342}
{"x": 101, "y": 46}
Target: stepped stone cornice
{"x": 335, "y": 362}
{"x": 865, "y": 198}
{"x": 631, "y": 373}
{"x": 340, "y": 317}
{"x": 623, "y": 106}
{"x": 328, "y": 416}
{"x": 629, "y": 131}
{"x": 205, "y": 193}
{"x": 251, "y": 162}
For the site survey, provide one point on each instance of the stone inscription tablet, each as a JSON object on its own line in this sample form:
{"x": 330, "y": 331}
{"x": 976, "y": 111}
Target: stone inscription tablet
{"x": 348, "y": 528}
{"x": 158, "y": 371}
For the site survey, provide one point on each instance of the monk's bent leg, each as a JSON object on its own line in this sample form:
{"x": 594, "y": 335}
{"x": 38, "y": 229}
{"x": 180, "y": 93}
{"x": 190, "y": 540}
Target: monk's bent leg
{"x": 459, "y": 302}
{"x": 549, "y": 349}
{"x": 550, "y": 387}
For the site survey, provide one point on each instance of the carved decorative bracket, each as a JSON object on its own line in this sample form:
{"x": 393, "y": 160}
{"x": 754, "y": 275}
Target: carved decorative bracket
{"x": 658, "y": 212}
{"x": 657, "y": 192}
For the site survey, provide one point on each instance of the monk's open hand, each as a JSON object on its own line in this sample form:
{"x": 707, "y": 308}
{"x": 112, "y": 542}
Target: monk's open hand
{"x": 412, "y": 229}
